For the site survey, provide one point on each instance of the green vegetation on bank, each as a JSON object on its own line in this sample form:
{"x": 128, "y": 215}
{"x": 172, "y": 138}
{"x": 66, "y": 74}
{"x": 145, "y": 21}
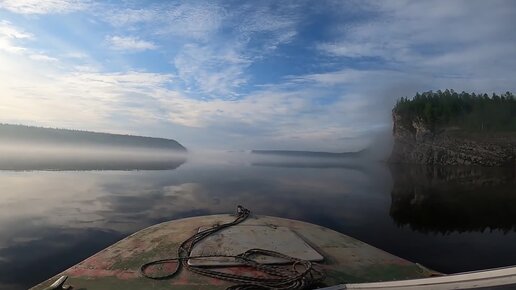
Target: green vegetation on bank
{"x": 468, "y": 111}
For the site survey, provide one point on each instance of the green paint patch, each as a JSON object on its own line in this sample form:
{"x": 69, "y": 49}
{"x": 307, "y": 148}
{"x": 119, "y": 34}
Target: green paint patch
{"x": 162, "y": 251}
{"x": 334, "y": 277}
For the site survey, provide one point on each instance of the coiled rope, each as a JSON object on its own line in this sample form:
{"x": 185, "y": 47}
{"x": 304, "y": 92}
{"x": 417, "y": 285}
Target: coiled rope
{"x": 296, "y": 274}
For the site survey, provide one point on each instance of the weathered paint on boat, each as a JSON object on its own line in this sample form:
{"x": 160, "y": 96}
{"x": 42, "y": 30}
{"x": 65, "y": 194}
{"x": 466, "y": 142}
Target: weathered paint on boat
{"x": 346, "y": 260}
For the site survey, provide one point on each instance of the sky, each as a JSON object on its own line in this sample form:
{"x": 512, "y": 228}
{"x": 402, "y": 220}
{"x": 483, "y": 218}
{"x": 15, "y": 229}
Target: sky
{"x": 230, "y": 75}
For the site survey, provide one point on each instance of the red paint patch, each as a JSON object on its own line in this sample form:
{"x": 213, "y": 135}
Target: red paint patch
{"x": 89, "y": 272}
{"x": 162, "y": 269}
{"x": 182, "y": 279}
{"x": 126, "y": 275}
{"x": 216, "y": 282}
{"x": 98, "y": 262}
{"x": 97, "y": 273}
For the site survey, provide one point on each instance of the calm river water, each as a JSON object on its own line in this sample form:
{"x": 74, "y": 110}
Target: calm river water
{"x": 448, "y": 219}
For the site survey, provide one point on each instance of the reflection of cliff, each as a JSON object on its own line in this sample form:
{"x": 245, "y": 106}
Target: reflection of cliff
{"x": 446, "y": 199}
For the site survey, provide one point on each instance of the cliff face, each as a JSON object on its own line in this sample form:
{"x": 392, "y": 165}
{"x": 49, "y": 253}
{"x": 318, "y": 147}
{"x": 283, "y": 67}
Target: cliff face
{"x": 417, "y": 144}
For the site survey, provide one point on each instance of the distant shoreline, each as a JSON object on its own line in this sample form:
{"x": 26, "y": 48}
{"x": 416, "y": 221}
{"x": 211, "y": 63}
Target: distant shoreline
{"x": 293, "y": 153}
{"x": 50, "y": 136}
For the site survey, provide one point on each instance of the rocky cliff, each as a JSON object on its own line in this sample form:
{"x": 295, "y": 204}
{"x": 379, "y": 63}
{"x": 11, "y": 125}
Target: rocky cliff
{"x": 417, "y": 143}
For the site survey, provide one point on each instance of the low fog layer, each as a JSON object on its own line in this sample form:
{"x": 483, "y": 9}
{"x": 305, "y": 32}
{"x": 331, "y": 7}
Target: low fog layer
{"x": 17, "y": 155}
{"x": 24, "y": 156}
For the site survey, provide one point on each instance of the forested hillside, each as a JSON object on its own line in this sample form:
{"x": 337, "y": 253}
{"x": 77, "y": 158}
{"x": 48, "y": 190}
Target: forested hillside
{"x": 468, "y": 111}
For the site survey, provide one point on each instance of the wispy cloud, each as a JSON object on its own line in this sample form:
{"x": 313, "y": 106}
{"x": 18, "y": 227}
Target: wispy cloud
{"x": 290, "y": 75}
{"x": 43, "y": 7}
{"x": 198, "y": 20}
{"x": 9, "y": 34}
{"x": 53, "y": 96}
{"x": 219, "y": 42}
{"x": 43, "y": 57}
{"x": 129, "y": 43}
{"x": 417, "y": 34}
{"x": 192, "y": 19}
{"x": 127, "y": 16}
{"x": 278, "y": 23}
{"x": 351, "y": 49}
{"x": 219, "y": 67}
{"x": 217, "y": 74}
{"x": 8, "y": 30}
{"x": 283, "y": 115}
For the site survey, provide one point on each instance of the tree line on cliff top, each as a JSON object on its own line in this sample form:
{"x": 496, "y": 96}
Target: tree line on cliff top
{"x": 468, "y": 111}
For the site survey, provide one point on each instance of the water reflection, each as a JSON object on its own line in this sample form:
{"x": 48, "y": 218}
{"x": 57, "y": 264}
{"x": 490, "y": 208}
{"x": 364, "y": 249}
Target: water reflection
{"x": 81, "y": 159}
{"x": 454, "y": 199}
{"x": 65, "y": 216}
{"x": 53, "y": 213}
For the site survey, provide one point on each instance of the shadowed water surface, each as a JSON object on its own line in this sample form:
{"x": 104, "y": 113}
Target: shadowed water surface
{"x": 448, "y": 219}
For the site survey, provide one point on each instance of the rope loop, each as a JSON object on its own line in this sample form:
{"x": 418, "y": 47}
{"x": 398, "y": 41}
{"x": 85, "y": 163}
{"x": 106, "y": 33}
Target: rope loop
{"x": 276, "y": 277}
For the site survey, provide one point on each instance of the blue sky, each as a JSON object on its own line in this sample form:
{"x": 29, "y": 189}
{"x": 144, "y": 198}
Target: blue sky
{"x": 307, "y": 75}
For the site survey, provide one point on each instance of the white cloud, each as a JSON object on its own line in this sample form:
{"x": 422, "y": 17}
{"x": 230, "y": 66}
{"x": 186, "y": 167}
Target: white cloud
{"x": 417, "y": 46}
{"x": 43, "y": 57}
{"x": 415, "y": 34}
{"x": 43, "y": 7}
{"x": 350, "y": 49}
{"x": 278, "y": 24}
{"x": 33, "y": 92}
{"x": 291, "y": 117}
{"x": 217, "y": 42}
{"x": 9, "y": 34}
{"x": 128, "y": 16}
{"x": 9, "y": 31}
{"x": 341, "y": 77}
{"x": 211, "y": 97}
{"x": 218, "y": 67}
{"x": 7, "y": 45}
{"x": 251, "y": 110}
{"x": 129, "y": 43}
{"x": 76, "y": 55}
{"x": 215, "y": 73}
{"x": 191, "y": 20}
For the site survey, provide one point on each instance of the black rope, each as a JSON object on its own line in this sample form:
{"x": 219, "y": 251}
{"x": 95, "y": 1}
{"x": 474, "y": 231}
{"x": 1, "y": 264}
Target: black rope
{"x": 297, "y": 274}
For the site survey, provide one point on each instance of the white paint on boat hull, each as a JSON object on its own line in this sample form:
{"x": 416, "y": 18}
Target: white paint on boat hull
{"x": 469, "y": 280}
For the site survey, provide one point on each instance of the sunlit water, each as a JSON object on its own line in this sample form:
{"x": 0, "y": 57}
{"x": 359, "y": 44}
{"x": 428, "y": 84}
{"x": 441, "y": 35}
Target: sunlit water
{"x": 450, "y": 220}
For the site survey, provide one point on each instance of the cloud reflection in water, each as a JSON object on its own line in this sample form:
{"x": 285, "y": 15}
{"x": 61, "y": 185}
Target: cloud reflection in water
{"x": 65, "y": 216}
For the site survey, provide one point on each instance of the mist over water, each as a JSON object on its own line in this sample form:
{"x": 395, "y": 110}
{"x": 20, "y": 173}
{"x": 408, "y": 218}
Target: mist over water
{"x": 44, "y": 156}
{"x": 448, "y": 219}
